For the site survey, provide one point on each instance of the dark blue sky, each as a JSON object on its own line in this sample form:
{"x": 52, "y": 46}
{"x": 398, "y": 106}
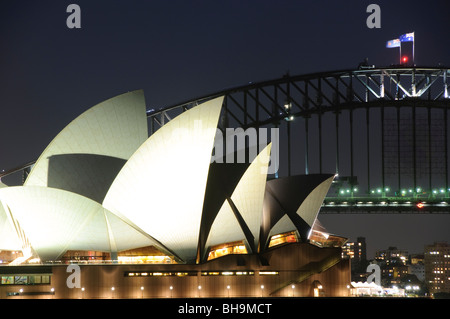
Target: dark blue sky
{"x": 176, "y": 50}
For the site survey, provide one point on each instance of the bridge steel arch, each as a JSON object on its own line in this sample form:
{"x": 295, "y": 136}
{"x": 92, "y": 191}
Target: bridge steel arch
{"x": 383, "y": 131}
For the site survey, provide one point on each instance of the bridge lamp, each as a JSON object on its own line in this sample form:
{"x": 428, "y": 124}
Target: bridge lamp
{"x": 289, "y": 118}
{"x": 287, "y": 105}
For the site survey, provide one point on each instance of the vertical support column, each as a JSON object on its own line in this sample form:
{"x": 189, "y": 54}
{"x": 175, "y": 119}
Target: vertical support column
{"x": 306, "y": 105}
{"x": 382, "y": 151}
{"x": 320, "y": 142}
{"x": 446, "y": 148}
{"x": 275, "y": 158}
{"x": 245, "y": 109}
{"x": 398, "y": 150}
{"x": 368, "y": 149}
{"x": 289, "y": 146}
{"x": 337, "y": 142}
{"x": 306, "y": 146}
{"x": 430, "y": 172}
{"x": 288, "y": 90}
{"x": 414, "y": 146}
{"x": 351, "y": 149}
{"x": 225, "y": 126}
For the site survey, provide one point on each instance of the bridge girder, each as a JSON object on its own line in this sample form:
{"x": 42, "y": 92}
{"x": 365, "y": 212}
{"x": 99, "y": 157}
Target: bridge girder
{"x": 257, "y": 104}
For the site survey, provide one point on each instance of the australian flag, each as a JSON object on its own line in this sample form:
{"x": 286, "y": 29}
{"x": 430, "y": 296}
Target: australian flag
{"x": 407, "y": 37}
{"x": 393, "y": 43}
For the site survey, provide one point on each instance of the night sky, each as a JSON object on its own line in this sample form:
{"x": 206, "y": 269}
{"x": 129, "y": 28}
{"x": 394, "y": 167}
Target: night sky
{"x": 177, "y": 50}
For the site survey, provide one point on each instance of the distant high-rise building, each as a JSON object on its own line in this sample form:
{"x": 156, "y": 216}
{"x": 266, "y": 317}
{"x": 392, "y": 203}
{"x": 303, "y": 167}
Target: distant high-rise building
{"x": 437, "y": 267}
{"x": 356, "y": 251}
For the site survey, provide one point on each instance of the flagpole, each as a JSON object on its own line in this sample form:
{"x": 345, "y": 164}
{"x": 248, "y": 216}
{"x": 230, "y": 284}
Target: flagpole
{"x": 400, "y": 53}
{"x": 414, "y": 42}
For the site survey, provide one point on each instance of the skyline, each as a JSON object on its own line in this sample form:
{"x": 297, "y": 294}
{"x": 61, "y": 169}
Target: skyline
{"x": 179, "y": 50}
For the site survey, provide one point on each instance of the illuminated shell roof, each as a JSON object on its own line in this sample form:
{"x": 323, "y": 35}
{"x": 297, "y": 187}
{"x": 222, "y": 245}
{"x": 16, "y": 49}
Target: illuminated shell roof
{"x": 88, "y": 153}
{"x": 56, "y": 221}
{"x": 162, "y": 186}
{"x": 247, "y": 198}
{"x": 293, "y": 203}
{"x": 8, "y": 235}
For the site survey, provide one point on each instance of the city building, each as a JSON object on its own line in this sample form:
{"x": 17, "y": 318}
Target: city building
{"x": 392, "y": 255}
{"x": 393, "y": 264}
{"x": 156, "y": 217}
{"x": 357, "y": 253}
{"x": 417, "y": 270}
{"x": 437, "y": 267}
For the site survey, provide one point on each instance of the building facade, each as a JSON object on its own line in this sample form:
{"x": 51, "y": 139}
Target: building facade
{"x": 437, "y": 267}
{"x": 284, "y": 271}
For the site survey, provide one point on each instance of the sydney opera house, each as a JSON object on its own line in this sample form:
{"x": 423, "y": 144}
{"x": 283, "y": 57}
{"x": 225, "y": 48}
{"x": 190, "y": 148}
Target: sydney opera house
{"x": 154, "y": 217}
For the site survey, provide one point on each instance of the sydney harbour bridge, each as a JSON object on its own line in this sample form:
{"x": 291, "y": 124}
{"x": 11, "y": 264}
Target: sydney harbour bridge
{"x": 382, "y": 131}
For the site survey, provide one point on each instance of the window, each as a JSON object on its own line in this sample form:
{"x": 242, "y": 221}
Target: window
{"x": 25, "y": 279}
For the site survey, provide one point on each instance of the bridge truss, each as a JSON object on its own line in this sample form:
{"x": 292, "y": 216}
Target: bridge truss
{"x": 383, "y": 131}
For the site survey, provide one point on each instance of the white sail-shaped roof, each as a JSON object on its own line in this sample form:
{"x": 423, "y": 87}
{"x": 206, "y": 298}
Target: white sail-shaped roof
{"x": 225, "y": 228}
{"x": 9, "y": 239}
{"x": 284, "y": 225}
{"x": 55, "y": 221}
{"x": 310, "y": 207}
{"x": 88, "y": 153}
{"x": 162, "y": 186}
{"x": 248, "y": 198}
{"x": 308, "y": 210}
